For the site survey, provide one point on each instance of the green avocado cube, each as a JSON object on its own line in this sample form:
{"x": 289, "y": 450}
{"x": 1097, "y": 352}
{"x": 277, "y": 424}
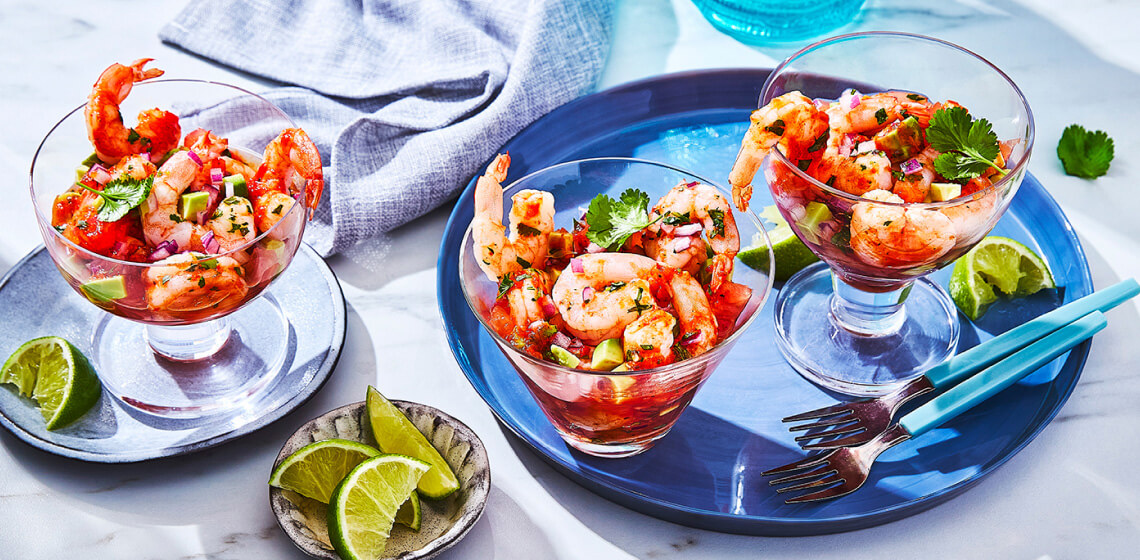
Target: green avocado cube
{"x": 607, "y": 355}
{"x": 194, "y": 202}
{"x": 902, "y": 141}
{"x": 941, "y": 192}
{"x": 622, "y": 367}
{"x": 815, "y": 213}
{"x": 236, "y": 183}
{"x": 564, "y": 357}
{"x": 102, "y": 290}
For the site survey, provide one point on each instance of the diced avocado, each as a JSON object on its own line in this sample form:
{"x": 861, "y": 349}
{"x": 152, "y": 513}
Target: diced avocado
{"x": 564, "y": 357}
{"x": 81, "y": 172}
{"x": 90, "y": 160}
{"x": 902, "y": 140}
{"x": 607, "y": 355}
{"x": 622, "y": 367}
{"x": 237, "y": 184}
{"x": 194, "y": 202}
{"x": 815, "y": 214}
{"x": 105, "y": 289}
{"x": 941, "y": 192}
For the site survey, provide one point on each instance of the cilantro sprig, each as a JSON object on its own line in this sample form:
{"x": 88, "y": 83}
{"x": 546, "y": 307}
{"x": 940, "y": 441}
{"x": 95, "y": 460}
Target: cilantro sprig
{"x": 120, "y": 195}
{"x": 613, "y": 221}
{"x": 1085, "y": 154}
{"x": 969, "y": 146}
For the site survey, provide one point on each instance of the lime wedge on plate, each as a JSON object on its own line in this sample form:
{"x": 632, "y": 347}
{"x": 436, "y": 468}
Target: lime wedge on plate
{"x": 57, "y": 375}
{"x": 394, "y": 433}
{"x": 364, "y": 505}
{"x": 410, "y": 513}
{"x": 791, "y": 254}
{"x": 996, "y": 264}
{"x": 315, "y": 469}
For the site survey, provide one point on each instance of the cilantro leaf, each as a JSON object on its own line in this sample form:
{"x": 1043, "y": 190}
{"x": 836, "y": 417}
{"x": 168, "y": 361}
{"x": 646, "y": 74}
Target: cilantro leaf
{"x": 613, "y": 221}
{"x": 120, "y": 195}
{"x": 1083, "y": 153}
{"x": 969, "y": 147}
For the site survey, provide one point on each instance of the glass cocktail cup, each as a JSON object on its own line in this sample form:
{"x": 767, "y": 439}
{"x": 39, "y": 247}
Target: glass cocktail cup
{"x": 869, "y": 320}
{"x": 186, "y": 360}
{"x": 611, "y": 414}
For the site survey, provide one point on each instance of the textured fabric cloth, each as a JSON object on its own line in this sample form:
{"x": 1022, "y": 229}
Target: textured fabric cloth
{"x": 405, "y": 99}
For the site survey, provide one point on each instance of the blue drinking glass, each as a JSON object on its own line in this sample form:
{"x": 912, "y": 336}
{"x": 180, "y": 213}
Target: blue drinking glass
{"x": 772, "y": 21}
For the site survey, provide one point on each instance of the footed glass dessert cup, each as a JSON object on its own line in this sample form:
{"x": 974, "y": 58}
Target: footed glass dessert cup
{"x": 611, "y": 413}
{"x": 198, "y": 349}
{"x": 867, "y": 319}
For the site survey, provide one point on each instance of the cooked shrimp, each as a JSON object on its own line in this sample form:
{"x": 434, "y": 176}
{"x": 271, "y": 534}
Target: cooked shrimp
{"x": 531, "y": 219}
{"x": 160, "y": 218}
{"x": 290, "y": 156}
{"x": 693, "y": 203}
{"x": 913, "y": 187}
{"x": 185, "y": 282}
{"x": 894, "y": 236}
{"x": 857, "y": 174}
{"x": 157, "y": 132}
{"x": 232, "y": 223}
{"x": 790, "y": 120}
{"x": 870, "y": 113}
{"x": 698, "y": 324}
{"x": 648, "y": 340}
{"x": 609, "y": 293}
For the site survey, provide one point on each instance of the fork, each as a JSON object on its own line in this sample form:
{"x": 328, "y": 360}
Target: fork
{"x": 843, "y": 470}
{"x": 861, "y": 421}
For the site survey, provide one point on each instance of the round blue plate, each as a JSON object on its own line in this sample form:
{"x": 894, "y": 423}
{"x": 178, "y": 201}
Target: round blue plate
{"x": 706, "y": 472}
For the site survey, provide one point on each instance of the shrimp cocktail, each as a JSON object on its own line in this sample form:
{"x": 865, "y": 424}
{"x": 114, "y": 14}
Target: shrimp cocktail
{"x": 176, "y": 221}
{"x": 890, "y": 156}
{"x": 614, "y": 291}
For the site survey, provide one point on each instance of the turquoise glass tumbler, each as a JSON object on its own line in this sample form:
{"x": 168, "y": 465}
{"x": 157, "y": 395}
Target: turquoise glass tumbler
{"x": 774, "y": 21}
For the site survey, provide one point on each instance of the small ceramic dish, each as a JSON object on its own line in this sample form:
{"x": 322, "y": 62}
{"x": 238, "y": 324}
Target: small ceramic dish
{"x": 444, "y": 522}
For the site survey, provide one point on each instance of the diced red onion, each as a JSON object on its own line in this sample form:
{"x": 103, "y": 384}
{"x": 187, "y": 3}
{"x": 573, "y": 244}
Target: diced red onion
{"x": 692, "y": 338}
{"x": 668, "y": 229}
{"x": 691, "y": 184}
{"x": 577, "y": 266}
{"x": 229, "y": 188}
{"x": 118, "y": 248}
{"x": 535, "y": 324}
{"x": 100, "y": 174}
{"x": 574, "y": 344}
{"x": 560, "y": 339}
{"x": 829, "y": 229}
{"x": 681, "y": 243}
{"x": 216, "y": 175}
{"x": 587, "y": 293}
{"x": 181, "y": 235}
{"x": 210, "y": 244}
{"x": 163, "y": 250}
{"x": 865, "y": 147}
{"x": 211, "y": 204}
{"x": 548, "y": 307}
{"x": 194, "y": 157}
{"x": 911, "y": 166}
{"x": 582, "y": 212}
{"x": 821, "y": 104}
{"x": 686, "y": 230}
{"x": 594, "y": 248}
{"x": 847, "y": 144}
{"x": 850, "y": 99}
{"x": 145, "y": 155}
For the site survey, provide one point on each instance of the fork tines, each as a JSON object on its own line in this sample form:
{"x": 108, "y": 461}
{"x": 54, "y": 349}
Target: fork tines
{"x": 819, "y": 473}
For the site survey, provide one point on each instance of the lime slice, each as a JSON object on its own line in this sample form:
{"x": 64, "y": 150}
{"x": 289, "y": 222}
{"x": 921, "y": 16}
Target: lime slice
{"x": 57, "y": 375}
{"x": 996, "y": 264}
{"x": 363, "y": 506}
{"x": 395, "y": 434}
{"x": 316, "y": 469}
{"x": 410, "y": 514}
{"x": 791, "y": 253}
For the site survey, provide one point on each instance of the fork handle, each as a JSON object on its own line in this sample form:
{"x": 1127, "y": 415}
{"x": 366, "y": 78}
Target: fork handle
{"x": 997, "y": 377}
{"x": 986, "y": 354}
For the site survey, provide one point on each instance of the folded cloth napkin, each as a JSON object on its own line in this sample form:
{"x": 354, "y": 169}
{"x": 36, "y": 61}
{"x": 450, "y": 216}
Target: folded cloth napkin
{"x": 404, "y": 98}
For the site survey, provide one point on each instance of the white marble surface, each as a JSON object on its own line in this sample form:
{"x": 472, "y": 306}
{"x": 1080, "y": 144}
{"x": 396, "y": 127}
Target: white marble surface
{"x": 1073, "y": 493}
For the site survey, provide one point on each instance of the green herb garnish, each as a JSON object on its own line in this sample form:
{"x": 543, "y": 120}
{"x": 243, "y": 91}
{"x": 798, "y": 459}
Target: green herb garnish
{"x": 120, "y": 195}
{"x": 1083, "y": 153}
{"x": 527, "y": 231}
{"x": 969, "y": 146}
{"x": 611, "y": 221}
{"x": 718, "y": 222}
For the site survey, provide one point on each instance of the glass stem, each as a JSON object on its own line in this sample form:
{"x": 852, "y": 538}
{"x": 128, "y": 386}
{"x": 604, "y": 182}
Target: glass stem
{"x": 188, "y": 343}
{"x": 868, "y": 313}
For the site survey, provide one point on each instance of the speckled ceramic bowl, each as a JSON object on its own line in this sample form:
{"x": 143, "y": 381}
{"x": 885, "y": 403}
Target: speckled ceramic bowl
{"x": 444, "y": 521}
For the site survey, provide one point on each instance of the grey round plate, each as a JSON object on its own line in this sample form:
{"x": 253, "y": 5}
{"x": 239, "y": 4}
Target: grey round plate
{"x": 37, "y": 302}
{"x": 444, "y": 522}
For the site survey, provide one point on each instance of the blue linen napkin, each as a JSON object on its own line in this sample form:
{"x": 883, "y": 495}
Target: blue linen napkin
{"x": 404, "y": 98}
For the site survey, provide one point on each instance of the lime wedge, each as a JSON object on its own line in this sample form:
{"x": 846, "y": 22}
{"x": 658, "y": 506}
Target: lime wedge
{"x": 57, "y": 376}
{"x": 996, "y": 264}
{"x": 791, "y": 253}
{"x": 316, "y": 469}
{"x": 410, "y": 513}
{"x": 364, "y": 505}
{"x": 395, "y": 434}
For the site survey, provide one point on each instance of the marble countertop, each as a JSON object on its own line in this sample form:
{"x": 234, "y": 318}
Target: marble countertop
{"x": 1072, "y": 493}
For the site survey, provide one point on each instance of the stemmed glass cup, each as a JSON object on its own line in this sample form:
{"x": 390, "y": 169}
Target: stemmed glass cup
{"x": 868, "y": 319}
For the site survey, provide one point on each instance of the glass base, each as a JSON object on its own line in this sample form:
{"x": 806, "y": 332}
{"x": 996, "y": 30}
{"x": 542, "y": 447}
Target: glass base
{"x": 193, "y": 371}
{"x": 820, "y": 340}
{"x": 615, "y": 450}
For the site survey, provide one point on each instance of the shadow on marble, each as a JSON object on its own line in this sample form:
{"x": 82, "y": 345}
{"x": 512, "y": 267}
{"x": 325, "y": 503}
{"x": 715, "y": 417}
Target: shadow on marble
{"x": 213, "y": 490}
{"x": 370, "y": 264}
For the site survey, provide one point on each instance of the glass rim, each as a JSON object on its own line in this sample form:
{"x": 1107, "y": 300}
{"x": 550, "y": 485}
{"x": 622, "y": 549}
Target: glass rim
{"x": 1016, "y": 170}
{"x": 76, "y": 247}
{"x": 712, "y": 352}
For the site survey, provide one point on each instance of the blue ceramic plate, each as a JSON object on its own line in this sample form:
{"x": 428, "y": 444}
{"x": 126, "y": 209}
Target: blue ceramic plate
{"x": 705, "y": 473}
{"x": 38, "y": 302}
